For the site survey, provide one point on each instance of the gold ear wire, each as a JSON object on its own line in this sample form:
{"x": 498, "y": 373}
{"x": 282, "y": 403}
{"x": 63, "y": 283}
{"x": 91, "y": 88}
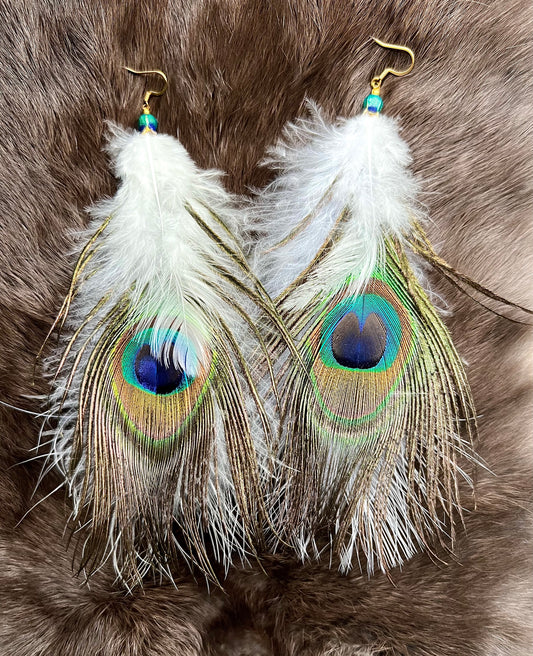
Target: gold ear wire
{"x": 150, "y": 93}
{"x": 376, "y": 81}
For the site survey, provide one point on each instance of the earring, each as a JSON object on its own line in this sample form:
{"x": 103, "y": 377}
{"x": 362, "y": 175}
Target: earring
{"x": 160, "y": 431}
{"x": 372, "y": 433}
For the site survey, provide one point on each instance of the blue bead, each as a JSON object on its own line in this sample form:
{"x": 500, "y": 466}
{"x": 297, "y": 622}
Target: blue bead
{"x": 147, "y": 122}
{"x": 373, "y": 103}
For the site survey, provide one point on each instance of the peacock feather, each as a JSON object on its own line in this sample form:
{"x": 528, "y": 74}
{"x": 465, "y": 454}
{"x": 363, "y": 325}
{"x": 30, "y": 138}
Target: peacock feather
{"x": 161, "y": 434}
{"x": 376, "y": 427}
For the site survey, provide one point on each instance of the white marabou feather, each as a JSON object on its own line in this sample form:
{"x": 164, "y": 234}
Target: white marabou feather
{"x": 152, "y": 242}
{"x": 359, "y": 164}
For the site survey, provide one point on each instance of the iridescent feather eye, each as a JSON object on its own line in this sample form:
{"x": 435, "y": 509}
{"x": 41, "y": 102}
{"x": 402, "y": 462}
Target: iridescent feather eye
{"x": 149, "y": 370}
{"x": 158, "y": 381}
{"x": 359, "y": 353}
{"x": 359, "y": 339}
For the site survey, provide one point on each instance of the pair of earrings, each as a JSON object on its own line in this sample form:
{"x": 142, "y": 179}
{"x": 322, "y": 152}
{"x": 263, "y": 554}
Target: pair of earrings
{"x": 199, "y": 418}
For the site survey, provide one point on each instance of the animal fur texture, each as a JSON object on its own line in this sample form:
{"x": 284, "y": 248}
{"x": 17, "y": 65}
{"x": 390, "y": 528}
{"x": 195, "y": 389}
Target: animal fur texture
{"x": 239, "y": 70}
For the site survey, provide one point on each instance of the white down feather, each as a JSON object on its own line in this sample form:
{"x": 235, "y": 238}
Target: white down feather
{"x": 153, "y": 250}
{"x": 359, "y": 164}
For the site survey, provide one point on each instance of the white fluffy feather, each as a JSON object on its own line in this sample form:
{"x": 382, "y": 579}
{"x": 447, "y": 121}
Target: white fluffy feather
{"x": 359, "y": 164}
{"x": 153, "y": 249}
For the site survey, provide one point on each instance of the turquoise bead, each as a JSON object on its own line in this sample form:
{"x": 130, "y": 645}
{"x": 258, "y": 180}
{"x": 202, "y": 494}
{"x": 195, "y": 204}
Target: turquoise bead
{"x": 147, "y": 122}
{"x": 373, "y": 103}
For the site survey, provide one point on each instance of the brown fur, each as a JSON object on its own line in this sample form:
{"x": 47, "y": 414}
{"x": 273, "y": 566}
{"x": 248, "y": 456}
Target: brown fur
{"x": 239, "y": 69}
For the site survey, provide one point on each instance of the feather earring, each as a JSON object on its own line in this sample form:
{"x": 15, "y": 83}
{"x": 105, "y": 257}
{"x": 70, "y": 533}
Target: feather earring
{"x": 161, "y": 432}
{"x": 373, "y": 432}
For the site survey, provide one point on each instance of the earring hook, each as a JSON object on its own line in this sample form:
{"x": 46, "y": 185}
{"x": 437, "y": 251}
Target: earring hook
{"x": 150, "y": 93}
{"x": 376, "y": 81}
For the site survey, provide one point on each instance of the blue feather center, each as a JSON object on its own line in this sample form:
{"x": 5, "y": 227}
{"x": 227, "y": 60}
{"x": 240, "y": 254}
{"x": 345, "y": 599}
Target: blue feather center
{"x": 359, "y": 346}
{"x": 362, "y": 332}
{"x": 159, "y": 362}
{"x": 156, "y": 376}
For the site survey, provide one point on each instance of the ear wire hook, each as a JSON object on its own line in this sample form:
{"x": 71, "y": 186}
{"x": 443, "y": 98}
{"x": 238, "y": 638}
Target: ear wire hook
{"x": 376, "y": 81}
{"x": 150, "y": 93}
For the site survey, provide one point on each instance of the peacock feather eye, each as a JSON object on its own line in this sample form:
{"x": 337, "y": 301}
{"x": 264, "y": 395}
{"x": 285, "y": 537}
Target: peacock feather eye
{"x": 359, "y": 352}
{"x": 158, "y": 381}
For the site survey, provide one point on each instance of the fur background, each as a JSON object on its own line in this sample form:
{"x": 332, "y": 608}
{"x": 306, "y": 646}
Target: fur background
{"x": 238, "y": 70}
